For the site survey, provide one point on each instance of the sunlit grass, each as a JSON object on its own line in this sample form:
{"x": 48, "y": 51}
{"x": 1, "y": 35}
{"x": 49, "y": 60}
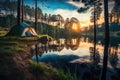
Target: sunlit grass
{"x": 3, "y": 31}
{"x": 44, "y": 35}
{"x": 20, "y": 38}
{"x": 9, "y": 48}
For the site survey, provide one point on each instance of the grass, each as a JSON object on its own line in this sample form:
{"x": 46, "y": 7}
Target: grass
{"x": 40, "y": 36}
{"x": 43, "y": 69}
{"x": 66, "y": 75}
{"x": 7, "y": 50}
{"x": 40, "y": 67}
{"x": 3, "y": 31}
{"x": 10, "y": 47}
{"x": 18, "y": 38}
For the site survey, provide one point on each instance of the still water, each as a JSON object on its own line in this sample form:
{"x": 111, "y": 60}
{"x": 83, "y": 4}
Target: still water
{"x": 76, "y": 50}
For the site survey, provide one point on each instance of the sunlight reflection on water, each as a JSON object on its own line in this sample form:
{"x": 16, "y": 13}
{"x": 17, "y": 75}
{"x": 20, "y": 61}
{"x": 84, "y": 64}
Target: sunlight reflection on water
{"x": 77, "y": 46}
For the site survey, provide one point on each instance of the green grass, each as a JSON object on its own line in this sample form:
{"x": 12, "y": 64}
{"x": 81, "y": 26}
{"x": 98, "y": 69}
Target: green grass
{"x": 43, "y": 69}
{"x": 18, "y": 38}
{"x": 40, "y": 36}
{"x": 3, "y": 31}
{"x": 7, "y": 50}
{"x": 40, "y": 67}
{"x": 36, "y": 68}
{"x": 66, "y": 75}
{"x": 10, "y": 47}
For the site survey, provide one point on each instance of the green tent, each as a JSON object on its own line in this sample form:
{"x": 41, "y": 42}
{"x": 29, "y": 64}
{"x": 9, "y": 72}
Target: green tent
{"x": 23, "y": 29}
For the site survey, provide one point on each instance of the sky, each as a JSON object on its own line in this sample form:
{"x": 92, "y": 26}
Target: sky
{"x": 66, "y": 8}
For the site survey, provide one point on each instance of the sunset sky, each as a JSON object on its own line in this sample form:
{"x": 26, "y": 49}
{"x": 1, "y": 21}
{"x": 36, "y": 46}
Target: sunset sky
{"x": 67, "y": 9}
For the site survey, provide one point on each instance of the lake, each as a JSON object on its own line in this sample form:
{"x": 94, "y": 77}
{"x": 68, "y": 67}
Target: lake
{"x": 76, "y": 50}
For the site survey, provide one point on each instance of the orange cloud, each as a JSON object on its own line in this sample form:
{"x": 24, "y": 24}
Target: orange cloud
{"x": 85, "y": 23}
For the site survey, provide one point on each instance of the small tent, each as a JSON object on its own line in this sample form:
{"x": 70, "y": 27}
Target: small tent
{"x": 23, "y": 29}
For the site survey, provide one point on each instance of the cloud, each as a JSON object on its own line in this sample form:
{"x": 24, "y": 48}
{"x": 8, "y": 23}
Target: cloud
{"x": 72, "y": 13}
{"x": 111, "y": 5}
{"x": 77, "y": 4}
{"x": 83, "y": 17}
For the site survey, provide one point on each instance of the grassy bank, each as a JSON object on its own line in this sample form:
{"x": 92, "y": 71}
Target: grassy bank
{"x": 42, "y": 69}
{"x": 3, "y": 31}
{"x": 16, "y": 63}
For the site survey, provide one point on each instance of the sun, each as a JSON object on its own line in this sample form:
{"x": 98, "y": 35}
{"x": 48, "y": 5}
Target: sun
{"x": 74, "y": 27}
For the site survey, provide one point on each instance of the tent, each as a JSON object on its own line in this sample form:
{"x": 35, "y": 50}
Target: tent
{"x": 23, "y": 29}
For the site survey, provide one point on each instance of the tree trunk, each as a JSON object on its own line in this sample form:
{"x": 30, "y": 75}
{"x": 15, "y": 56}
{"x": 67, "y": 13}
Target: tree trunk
{"x": 113, "y": 17}
{"x": 105, "y": 59}
{"x": 94, "y": 55}
{"x": 117, "y": 17}
{"x": 22, "y": 7}
{"x": 18, "y": 12}
{"x": 41, "y": 26}
{"x": 110, "y": 20}
{"x": 36, "y": 52}
{"x": 36, "y": 26}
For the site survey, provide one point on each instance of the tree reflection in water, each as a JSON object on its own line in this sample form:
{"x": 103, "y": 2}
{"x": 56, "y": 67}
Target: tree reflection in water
{"x": 82, "y": 52}
{"x": 56, "y": 45}
{"x": 113, "y": 57}
{"x": 79, "y": 46}
{"x": 97, "y": 55}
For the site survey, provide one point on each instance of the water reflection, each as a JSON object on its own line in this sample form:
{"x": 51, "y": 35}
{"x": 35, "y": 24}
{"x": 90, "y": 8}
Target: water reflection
{"x": 113, "y": 56}
{"x": 96, "y": 58}
{"x": 72, "y": 44}
{"x": 76, "y": 54}
{"x": 81, "y": 47}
